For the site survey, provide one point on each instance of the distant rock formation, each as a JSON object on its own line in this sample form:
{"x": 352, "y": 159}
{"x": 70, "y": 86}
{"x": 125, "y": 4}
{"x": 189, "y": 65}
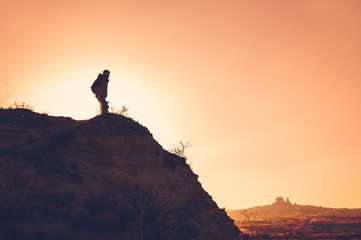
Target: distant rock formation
{"x": 281, "y": 201}
{"x": 103, "y": 178}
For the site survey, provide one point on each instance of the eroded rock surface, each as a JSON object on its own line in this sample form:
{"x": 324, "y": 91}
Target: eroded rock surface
{"x": 103, "y": 178}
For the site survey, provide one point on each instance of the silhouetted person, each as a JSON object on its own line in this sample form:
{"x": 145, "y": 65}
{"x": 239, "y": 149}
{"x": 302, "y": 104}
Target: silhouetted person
{"x": 100, "y": 89}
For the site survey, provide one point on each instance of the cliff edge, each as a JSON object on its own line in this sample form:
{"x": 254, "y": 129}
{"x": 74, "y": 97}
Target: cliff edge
{"x": 103, "y": 178}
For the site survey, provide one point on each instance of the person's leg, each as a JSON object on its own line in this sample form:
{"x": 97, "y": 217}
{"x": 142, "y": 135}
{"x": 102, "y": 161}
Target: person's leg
{"x": 103, "y": 106}
{"x": 100, "y": 103}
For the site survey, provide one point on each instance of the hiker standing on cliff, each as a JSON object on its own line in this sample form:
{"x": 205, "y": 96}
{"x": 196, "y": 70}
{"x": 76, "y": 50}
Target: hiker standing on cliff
{"x": 100, "y": 89}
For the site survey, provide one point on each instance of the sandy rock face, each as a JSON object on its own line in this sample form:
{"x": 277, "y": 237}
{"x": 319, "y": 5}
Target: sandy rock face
{"x": 103, "y": 178}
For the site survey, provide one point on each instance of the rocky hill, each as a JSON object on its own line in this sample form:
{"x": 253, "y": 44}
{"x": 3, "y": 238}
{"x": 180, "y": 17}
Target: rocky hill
{"x": 284, "y": 220}
{"x": 285, "y": 209}
{"x": 103, "y": 178}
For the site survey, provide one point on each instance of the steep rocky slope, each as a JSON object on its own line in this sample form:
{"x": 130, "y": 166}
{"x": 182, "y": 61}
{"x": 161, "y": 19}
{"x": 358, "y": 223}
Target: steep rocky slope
{"x": 103, "y": 178}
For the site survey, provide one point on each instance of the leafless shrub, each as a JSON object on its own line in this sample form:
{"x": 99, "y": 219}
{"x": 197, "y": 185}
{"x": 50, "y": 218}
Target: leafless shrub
{"x": 123, "y": 111}
{"x": 250, "y": 222}
{"x": 22, "y": 105}
{"x": 142, "y": 200}
{"x": 181, "y": 149}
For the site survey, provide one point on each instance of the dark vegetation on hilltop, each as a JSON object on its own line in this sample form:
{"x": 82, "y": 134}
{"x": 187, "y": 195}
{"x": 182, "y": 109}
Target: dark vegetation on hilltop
{"x": 103, "y": 178}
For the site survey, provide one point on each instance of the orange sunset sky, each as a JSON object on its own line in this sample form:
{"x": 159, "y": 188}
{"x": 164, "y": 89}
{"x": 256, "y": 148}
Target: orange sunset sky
{"x": 267, "y": 91}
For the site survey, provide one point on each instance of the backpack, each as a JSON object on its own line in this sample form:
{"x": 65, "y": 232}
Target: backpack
{"x": 96, "y": 83}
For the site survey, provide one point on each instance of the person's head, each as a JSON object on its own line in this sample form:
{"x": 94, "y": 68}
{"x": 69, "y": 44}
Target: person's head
{"x": 106, "y": 73}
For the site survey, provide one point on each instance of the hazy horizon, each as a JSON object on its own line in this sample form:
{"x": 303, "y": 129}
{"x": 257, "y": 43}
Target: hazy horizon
{"x": 267, "y": 92}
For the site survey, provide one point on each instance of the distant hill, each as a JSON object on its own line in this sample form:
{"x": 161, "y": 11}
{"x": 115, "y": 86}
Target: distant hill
{"x": 282, "y": 209}
{"x": 284, "y": 220}
{"x": 105, "y": 178}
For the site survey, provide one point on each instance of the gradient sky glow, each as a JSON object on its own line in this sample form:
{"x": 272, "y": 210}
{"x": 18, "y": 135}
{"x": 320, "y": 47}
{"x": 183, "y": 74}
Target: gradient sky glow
{"x": 267, "y": 91}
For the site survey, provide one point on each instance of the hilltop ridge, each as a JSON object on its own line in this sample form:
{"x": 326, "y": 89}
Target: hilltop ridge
{"x": 102, "y": 178}
{"x": 281, "y": 209}
{"x": 284, "y": 220}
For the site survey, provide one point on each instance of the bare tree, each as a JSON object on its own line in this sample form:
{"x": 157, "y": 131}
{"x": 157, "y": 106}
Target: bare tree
{"x": 181, "y": 150}
{"x": 250, "y": 222}
{"x": 142, "y": 200}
